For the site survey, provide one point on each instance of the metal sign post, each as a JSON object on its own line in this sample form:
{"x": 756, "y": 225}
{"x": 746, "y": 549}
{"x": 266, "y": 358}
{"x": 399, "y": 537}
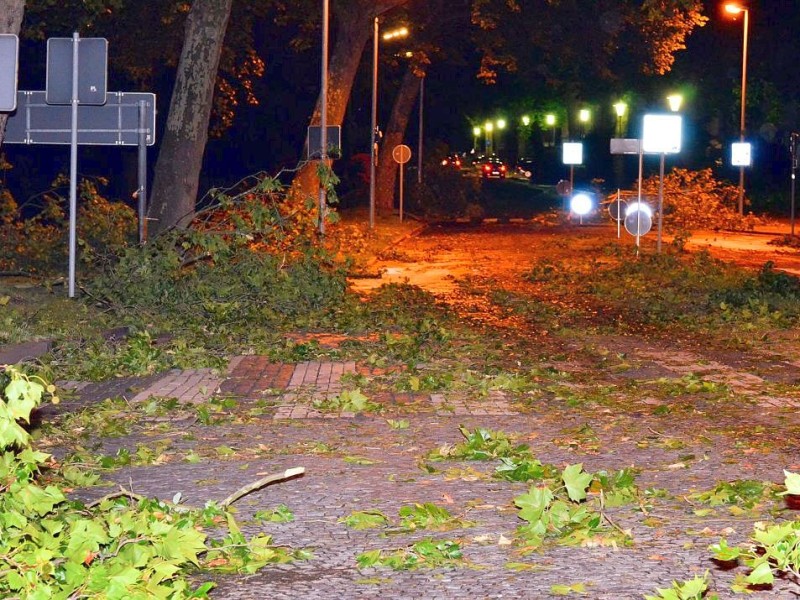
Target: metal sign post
{"x": 793, "y": 146}
{"x": 73, "y": 167}
{"x": 401, "y": 155}
{"x": 127, "y": 119}
{"x": 75, "y": 77}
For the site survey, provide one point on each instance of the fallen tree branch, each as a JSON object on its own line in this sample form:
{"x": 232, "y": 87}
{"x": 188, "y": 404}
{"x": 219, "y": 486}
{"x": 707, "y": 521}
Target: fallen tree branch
{"x": 257, "y": 485}
{"x": 122, "y": 493}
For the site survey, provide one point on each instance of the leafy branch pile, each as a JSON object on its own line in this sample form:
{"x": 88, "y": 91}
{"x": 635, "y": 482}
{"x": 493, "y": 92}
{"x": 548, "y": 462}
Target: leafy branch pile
{"x": 115, "y": 548}
{"x": 37, "y": 244}
{"x": 698, "y": 200}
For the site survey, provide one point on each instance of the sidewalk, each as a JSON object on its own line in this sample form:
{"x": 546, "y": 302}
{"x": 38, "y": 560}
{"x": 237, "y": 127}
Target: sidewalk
{"x": 364, "y": 461}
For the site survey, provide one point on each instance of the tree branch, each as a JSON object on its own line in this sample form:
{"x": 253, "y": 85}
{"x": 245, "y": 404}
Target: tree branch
{"x": 257, "y": 485}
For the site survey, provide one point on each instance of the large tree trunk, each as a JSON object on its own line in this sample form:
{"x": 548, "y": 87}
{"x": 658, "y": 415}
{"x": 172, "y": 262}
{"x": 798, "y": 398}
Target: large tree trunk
{"x": 353, "y": 31}
{"x": 395, "y": 132}
{"x": 180, "y": 159}
{"x": 11, "y": 12}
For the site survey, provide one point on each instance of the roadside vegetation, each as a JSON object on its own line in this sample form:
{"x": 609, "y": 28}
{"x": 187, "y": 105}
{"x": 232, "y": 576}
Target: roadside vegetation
{"x": 251, "y": 276}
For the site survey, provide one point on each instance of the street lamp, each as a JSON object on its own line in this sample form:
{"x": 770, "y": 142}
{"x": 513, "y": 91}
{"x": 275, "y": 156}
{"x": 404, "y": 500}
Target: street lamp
{"x": 476, "y": 131}
{"x": 501, "y": 125}
{"x": 389, "y": 35}
{"x": 584, "y": 116}
{"x": 620, "y": 108}
{"x": 735, "y": 9}
{"x": 488, "y": 127}
{"x": 674, "y": 101}
{"x": 550, "y": 121}
{"x": 526, "y": 120}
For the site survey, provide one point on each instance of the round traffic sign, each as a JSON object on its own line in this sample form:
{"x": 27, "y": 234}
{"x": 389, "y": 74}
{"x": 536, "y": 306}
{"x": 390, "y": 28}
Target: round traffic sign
{"x": 638, "y": 222}
{"x": 617, "y": 210}
{"x": 401, "y": 154}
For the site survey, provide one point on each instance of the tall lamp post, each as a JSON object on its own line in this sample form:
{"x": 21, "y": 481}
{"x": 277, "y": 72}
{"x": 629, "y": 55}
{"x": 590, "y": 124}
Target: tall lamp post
{"x": 476, "y": 132}
{"x": 501, "y": 124}
{"x": 488, "y": 127}
{"x": 323, "y": 112}
{"x": 735, "y": 9}
{"x": 584, "y": 116}
{"x": 620, "y": 108}
{"x": 550, "y": 121}
{"x": 373, "y": 147}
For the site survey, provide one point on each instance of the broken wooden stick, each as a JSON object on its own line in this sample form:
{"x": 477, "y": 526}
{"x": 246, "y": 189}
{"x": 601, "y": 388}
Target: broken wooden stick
{"x": 257, "y": 485}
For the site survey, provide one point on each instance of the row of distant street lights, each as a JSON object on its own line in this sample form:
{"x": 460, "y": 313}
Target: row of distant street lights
{"x": 674, "y": 101}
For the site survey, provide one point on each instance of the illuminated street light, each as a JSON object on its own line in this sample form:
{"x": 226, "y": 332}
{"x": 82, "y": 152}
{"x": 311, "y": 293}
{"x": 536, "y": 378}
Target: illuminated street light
{"x": 675, "y": 101}
{"x": 488, "y": 127}
{"x": 550, "y": 120}
{"x": 400, "y": 32}
{"x": 584, "y": 116}
{"x": 476, "y": 131}
{"x": 373, "y": 146}
{"x": 620, "y": 108}
{"x": 735, "y": 9}
{"x": 526, "y": 120}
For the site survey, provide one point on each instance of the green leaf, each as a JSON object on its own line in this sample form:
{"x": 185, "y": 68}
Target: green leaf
{"x": 761, "y": 575}
{"x": 365, "y": 519}
{"x": 85, "y": 537}
{"x": 566, "y": 590}
{"x": 576, "y": 481}
{"x": 792, "y": 483}
{"x": 724, "y": 552}
{"x": 368, "y": 559}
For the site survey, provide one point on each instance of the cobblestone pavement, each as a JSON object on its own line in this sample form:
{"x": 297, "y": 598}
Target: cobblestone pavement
{"x": 361, "y": 462}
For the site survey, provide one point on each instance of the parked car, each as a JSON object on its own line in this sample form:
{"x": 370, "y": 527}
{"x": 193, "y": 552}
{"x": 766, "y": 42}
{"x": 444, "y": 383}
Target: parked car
{"x": 493, "y": 168}
{"x": 524, "y": 168}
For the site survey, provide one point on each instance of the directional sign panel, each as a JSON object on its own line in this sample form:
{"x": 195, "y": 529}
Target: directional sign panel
{"x": 92, "y": 70}
{"x": 334, "y": 136}
{"x": 114, "y": 124}
{"x": 9, "y": 45}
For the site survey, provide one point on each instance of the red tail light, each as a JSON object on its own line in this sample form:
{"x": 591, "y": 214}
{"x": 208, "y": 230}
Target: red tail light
{"x": 487, "y": 167}
{"x": 503, "y": 168}
{"x": 458, "y": 163}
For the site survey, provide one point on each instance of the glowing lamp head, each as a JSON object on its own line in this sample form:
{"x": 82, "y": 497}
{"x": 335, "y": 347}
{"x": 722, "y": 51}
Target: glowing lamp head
{"x": 583, "y": 115}
{"x": 488, "y": 126}
{"x": 476, "y": 131}
{"x": 734, "y": 9}
{"x": 501, "y": 123}
{"x": 581, "y": 204}
{"x": 620, "y": 108}
{"x": 526, "y": 120}
{"x": 674, "y": 101}
{"x": 550, "y": 119}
